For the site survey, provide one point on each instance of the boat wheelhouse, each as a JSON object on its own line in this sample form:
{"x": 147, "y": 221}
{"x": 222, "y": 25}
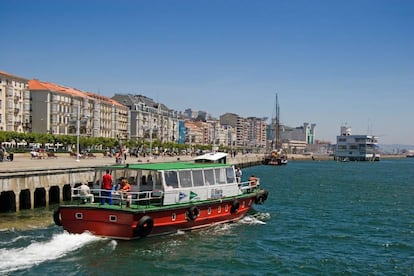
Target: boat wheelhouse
{"x": 164, "y": 198}
{"x": 356, "y": 147}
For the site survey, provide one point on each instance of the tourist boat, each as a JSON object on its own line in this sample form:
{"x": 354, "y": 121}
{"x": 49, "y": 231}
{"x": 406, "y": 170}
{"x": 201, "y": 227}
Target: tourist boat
{"x": 165, "y": 198}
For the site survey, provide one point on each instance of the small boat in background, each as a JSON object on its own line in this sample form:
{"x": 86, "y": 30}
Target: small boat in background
{"x": 276, "y": 158}
{"x": 164, "y": 198}
{"x": 277, "y": 155}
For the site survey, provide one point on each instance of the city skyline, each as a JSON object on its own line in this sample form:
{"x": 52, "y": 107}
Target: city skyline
{"x": 331, "y": 62}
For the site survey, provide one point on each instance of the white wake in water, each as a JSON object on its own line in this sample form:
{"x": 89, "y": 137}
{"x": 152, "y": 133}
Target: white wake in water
{"x": 38, "y": 252}
{"x": 258, "y": 218}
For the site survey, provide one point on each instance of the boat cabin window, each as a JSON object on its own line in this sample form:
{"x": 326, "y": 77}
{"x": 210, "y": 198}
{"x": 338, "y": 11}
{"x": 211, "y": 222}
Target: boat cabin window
{"x": 150, "y": 182}
{"x": 231, "y": 178}
{"x": 185, "y": 179}
{"x": 171, "y": 179}
{"x": 198, "y": 179}
{"x": 220, "y": 176}
{"x": 209, "y": 177}
{"x": 157, "y": 181}
{"x": 144, "y": 180}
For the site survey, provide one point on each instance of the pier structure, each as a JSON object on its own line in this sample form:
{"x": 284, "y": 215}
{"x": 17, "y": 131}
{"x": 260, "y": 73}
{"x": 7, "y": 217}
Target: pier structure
{"x": 27, "y": 184}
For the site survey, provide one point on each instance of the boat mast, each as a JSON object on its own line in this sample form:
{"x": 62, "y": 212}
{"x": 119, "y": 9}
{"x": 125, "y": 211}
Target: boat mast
{"x": 277, "y": 126}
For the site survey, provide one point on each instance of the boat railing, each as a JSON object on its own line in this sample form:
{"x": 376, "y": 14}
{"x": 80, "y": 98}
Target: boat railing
{"x": 249, "y": 186}
{"x": 150, "y": 197}
{"x": 153, "y": 197}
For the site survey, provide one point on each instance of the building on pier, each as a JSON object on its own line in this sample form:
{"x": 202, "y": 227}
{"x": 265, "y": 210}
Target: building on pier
{"x": 356, "y": 147}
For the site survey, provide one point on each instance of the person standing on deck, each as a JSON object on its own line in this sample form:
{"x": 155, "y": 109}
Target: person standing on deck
{"x": 107, "y": 188}
{"x": 125, "y": 188}
{"x": 238, "y": 174}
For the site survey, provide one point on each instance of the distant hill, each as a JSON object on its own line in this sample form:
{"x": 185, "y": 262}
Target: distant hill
{"x": 395, "y": 148}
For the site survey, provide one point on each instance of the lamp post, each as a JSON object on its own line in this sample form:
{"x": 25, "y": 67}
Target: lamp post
{"x": 77, "y": 132}
{"x": 151, "y": 129}
{"x": 78, "y": 121}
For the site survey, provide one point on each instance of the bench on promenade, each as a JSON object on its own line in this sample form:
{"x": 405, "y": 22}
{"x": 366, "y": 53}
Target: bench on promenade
{"x": 90, "y": 155}
{"x": 35, "y": 156}
{"x": 51, "y": 155}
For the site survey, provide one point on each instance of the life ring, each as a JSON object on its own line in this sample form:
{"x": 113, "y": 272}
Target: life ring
{"x": 144, "y": 226}
{"x": 56, "y": 217}
{"x": 234, "y": 206}
{"x": 192, "y": 213}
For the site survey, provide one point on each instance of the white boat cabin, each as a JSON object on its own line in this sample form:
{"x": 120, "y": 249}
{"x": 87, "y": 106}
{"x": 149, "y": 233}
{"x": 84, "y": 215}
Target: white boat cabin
{"x": 177, "y": 182}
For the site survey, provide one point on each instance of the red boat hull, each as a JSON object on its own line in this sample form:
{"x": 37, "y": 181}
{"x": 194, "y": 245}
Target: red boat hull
{"x": 131, "y": 223}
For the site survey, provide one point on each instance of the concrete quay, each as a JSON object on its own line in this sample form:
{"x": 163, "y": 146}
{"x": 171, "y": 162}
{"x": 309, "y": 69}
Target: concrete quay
{"x": 27, "y": 183}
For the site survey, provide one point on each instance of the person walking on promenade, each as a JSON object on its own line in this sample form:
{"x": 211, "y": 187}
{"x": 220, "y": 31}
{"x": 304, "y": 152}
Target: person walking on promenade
{"x": 107, "y": 188}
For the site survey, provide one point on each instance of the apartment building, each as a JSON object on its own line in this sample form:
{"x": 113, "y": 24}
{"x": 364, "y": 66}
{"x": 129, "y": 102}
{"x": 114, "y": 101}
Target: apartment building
{"x": 58, "y": 109}
{"x": 305, "y": 133}
{"x": 195, "y": 132}
{"x": 257, "y": 132}
{"x": 149, "y": 119}
{"x": 14, "y": 103}
{"x": 44, "y": 107}
{"x": 250, "y": 132}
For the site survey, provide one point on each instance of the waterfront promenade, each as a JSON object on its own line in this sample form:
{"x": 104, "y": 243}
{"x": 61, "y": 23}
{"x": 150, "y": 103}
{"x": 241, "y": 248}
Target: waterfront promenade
{"x": 29, "y": 182}
{"x": 24, "y": 163}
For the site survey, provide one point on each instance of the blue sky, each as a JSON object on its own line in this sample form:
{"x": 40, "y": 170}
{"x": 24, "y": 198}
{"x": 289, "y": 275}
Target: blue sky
{"x": 331, "y": 62}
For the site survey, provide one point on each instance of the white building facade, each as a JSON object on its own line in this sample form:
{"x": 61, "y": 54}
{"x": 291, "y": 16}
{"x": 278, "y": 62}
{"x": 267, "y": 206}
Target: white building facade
{"x": 356, "y": 147}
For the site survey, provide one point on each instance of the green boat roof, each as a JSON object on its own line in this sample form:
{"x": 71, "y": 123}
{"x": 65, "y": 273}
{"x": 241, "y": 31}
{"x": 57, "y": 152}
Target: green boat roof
{"x": 167, "y": 166}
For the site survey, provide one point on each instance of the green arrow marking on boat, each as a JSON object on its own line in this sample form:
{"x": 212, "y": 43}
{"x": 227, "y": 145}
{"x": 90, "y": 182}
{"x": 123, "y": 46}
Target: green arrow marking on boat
{"x": 193, "y": 195}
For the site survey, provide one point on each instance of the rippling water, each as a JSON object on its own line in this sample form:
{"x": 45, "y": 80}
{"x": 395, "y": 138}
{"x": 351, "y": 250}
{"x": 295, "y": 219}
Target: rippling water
{"x": 320, "y": 218}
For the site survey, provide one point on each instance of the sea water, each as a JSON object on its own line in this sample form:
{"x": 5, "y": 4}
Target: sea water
{"x": 327, "y": 217}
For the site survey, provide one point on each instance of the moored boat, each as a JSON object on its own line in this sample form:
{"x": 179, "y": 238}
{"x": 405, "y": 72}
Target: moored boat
{"x": 277, "y": 155}
{"x": 276, "y": 158}
{"x": 164, "y": 198}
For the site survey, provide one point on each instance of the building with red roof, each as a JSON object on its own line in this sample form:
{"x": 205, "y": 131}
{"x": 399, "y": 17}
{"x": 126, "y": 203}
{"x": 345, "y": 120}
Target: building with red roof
{"x": 56, "y": 109}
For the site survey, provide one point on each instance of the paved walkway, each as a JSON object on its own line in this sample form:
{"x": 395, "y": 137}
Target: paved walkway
{"x": 24, "y": 161}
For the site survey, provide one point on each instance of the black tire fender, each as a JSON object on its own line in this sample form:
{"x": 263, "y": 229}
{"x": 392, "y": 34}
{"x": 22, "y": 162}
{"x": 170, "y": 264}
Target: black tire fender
{"x": 235, "y": 205}
{"x": 144, "y": 226}
{"x": 259, "y": 199}
{"x": 192, "y": 213}
{"x": 265, "y": 194}
{"x": 56, "y": 217}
